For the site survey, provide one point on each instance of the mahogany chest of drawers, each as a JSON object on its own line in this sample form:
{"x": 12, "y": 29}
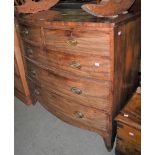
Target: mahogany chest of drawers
{"x": 129, "y": 128}
{"x": 82, "y": 68}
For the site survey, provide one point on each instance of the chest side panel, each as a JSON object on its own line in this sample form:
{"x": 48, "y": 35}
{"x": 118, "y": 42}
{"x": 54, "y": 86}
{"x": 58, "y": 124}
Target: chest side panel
{"x": 126, "y": 62}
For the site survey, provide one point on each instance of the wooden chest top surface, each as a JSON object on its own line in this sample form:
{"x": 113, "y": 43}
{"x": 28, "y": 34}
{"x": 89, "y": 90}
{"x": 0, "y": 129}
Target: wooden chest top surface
{"x": 76, "y": 16}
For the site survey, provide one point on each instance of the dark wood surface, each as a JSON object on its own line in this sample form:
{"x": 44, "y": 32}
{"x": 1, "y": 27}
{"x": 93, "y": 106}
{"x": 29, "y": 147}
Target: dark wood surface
{"x": 136, "y": 7}
{"x": 129, "y": 128}
{"x": 20, "y": 83}
{"x": 81, "y": 68}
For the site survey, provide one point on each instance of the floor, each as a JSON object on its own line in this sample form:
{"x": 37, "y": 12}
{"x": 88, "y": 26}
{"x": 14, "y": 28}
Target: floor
{"x": 37, "y": 132}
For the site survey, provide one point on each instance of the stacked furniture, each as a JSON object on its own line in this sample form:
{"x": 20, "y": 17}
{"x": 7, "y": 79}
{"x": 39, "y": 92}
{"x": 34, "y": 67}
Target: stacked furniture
{"x": 129, "y": 128}
{"x": 82, "y": 68}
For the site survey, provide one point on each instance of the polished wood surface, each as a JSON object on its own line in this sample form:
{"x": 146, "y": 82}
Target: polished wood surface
{"x": 81, "y": 66}
{"x": 21, "y": 87}
{"x": 129, "y": 128}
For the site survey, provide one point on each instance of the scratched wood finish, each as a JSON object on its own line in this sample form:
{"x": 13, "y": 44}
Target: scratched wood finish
{"x": 74, "y": 35}
{"x": 20, "y": 84}
{"x": 129, "y": 128}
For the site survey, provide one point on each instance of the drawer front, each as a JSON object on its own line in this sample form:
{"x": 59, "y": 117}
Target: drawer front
{"x": 31, "y": 34}
{"x": 87, "y": 92}
{"x": 126, "y": 148}
{"x": 129, "y": 134}
{"x": 70, "y": 110}
{"x": 76, "y": 41}
{"x": 92, "y": 66}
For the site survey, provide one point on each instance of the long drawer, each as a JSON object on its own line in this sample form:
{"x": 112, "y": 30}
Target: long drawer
{"x": 86, "y": 92}
{"x": 69, "y": 110}
{"x": 130, "y": 134}
{"x": 92, "y": 42}
{"x": 88, "y": 65}
{"x": 128, "y": 140}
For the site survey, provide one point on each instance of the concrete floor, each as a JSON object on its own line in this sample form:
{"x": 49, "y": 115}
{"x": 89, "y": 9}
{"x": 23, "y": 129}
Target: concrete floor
{"x": 37, "y": 132}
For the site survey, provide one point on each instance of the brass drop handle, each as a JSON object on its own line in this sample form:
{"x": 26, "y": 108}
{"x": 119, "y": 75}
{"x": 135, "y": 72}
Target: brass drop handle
{"x": 36, "y": 91}
{"x": 72, "y": 42}
{"x": 33, "y": 73}
{"x": 29, "y": 51}
{"x": 25, "y": 31}
{"x": 76, "y": 90}
{"x": 75, "y": 64}
{"x": 79, "y": 114}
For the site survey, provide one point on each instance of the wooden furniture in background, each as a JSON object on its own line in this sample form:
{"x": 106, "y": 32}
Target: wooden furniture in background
{"x": 82, "y": 68}
{"x": 20, "y": 83}
{"x": 129, "y": 128}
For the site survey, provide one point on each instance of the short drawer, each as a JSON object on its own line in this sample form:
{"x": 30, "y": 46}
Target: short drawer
{"x": 129, "y": 134}
{"x": 71, "y": 111}
{"x": 92, "y": 66}
{"x": 124, "y": 147}
{"x": 31, "y": 34}
{"x": 87, "y": 92}
{"x": 77, "y": 41}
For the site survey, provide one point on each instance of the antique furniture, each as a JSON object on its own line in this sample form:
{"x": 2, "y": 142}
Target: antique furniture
{"x": 108, "y": 7}
{"x": 82, "y": 68}
{"x": 21, "y": 88}
{"x": 129, "y": 128}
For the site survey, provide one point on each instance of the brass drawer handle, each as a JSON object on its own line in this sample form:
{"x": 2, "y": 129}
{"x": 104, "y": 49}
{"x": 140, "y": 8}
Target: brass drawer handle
{"x": 36, "y": 92}
{"x": 75, "y": 64}
{"x": 76, "y": 90}
{"x": 33, "y": 73}
{"x": 29, "y": 51}
{"x": 25, "y": 31}
{"x": 79, "y": 114}
{"x": 72, "y": 42}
